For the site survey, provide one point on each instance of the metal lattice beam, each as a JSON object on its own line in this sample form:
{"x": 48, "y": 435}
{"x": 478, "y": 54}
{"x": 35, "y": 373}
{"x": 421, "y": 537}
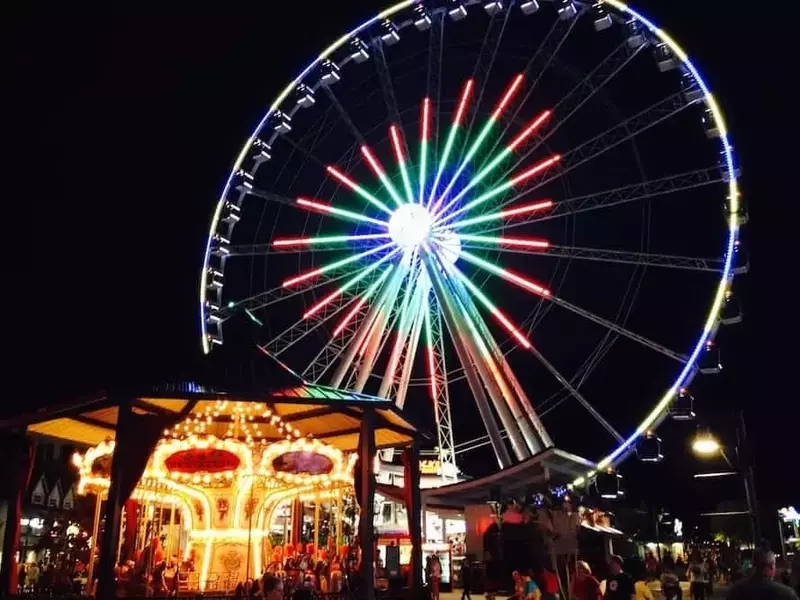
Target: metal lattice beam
{"x": 690, "y": 263}
{"x": 441, "y": 397}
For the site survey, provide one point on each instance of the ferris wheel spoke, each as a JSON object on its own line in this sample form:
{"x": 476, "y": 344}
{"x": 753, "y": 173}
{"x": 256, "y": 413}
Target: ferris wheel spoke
{"x": 539, "y": 290}
{"x": 424, "y": 135}
{"x": 398, "y": 389}
{"x": 389, "y": 98}
{"x": 611, "y": 138}
{"x": 479, "y": 140}
{"x": 334, "y": 266}
{"x": 433, "y": 86}
{"x": 379, "y": 171}
{"x": 577, "y": 395}
{"x": 585, "y": 90}
{"x": 330, "y": 306}
{"x": 484, "y": 63}
{"x": 354, "y": 187}
{"x": 277, "y": 294}
{"x": 607, "y": 198}
{"x": 517, "y": 180}
{"x": 455, "y": 125}
{"x": 459, "y": 338}
{"x": 409, "y": 308}
{"x": 345, "y": 116}
{"x": 439, "y": 388}
{"x": 646, "y": 259}
{"x": 365, "y": 326}
{"x": 501, "y": 156}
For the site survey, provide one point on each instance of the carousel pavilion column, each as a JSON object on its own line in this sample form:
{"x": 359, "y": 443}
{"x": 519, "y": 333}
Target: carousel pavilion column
{"x": 415, "y": 517}
{"x": 113, "y": 509}
{"x": 19, "y": 452}
{"x": 366, "y": 454}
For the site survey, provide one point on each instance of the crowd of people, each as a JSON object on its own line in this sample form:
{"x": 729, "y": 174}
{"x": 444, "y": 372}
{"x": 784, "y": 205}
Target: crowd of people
{"x": 649, "y": 579}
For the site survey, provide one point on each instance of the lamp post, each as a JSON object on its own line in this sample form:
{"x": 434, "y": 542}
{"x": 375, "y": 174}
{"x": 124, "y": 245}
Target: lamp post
{"x": 705, "y": 444}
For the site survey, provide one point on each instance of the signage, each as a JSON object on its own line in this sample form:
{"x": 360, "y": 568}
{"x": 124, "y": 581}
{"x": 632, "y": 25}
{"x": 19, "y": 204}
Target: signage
{"x": 202, "y": 460}
{"x": 430, "y": 467}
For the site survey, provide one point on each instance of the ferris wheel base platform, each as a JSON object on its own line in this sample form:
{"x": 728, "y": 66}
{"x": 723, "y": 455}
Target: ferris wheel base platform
{"x": 551, "y": 466}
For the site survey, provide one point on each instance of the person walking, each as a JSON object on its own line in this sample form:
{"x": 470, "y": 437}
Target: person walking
{"x": 619, "y": 585}
{"x": 584, "y": 586}
{"x": 697, "y": 576}
{"x": 466, "y": 578}
{"x": 760, "y": 585}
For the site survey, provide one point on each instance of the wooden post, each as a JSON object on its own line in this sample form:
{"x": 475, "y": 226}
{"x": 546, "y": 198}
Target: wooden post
{"x": 366, "y": 448}
{"x": 113, "y": 512}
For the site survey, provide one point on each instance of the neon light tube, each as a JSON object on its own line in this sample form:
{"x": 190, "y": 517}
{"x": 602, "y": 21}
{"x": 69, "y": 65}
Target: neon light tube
{"x": 473, "y": 149}
{"x": 397, "y": 144}
{"x": 362, "y": 301}
{"x": 506, "y": 241}
{"x": 504, "y": 214}
{"x": 490, "y": 306}
{"x": 513, "y": 182}
{"x": 423, "y": 148}
{"x": 353, "y": 186}
{"x": 451, "y": 136}
{"x": 334, "y": 265}
{"x": 339, "y": 212}
{"x": 326, "y": 239}
{"x": 378, "y": 170}
{"x": 505, "y": 274}
{"x": 501, "y": 156}
{"x": 347, "y": 285}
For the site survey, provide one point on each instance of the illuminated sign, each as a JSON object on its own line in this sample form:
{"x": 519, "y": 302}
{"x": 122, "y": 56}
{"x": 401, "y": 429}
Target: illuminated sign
{"x": 430, "y": 467}
{"x": 202, "y": 460}
{"x": 677, "y": 528}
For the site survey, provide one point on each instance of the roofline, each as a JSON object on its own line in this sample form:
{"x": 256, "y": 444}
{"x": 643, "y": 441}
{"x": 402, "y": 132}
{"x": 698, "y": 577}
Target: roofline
{"x": 499, "y": 476}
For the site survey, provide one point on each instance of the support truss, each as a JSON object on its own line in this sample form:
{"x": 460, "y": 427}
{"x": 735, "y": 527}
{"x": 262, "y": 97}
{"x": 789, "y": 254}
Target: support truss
{"x": 441, "y": 397}
{"x": 712, "y": 265}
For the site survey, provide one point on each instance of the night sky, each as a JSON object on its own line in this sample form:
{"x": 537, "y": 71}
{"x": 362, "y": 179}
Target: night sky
{"x": 127, "y": 127}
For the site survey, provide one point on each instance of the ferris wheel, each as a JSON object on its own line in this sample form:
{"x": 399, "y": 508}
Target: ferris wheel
{"x": 517, "y": 213}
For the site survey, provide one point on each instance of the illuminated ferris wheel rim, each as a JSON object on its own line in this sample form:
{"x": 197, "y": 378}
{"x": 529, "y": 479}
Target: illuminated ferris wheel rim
{"x": 659, "y": 410}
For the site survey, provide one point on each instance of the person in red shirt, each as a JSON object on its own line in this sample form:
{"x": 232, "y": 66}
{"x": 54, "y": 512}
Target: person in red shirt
{"x": 584, "y": 586}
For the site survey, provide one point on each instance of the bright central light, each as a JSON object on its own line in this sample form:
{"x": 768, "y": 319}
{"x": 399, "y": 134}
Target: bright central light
{"x": 409, "y": 226}
{"x": 705, "y": 445}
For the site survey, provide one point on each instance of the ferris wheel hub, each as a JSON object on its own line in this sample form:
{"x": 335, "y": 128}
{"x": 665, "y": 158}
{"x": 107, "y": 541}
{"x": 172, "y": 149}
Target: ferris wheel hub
{"x": 410, "y": 226}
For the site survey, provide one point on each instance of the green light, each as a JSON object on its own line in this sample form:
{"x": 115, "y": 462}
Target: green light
{"x": 448, "y": 148}
{"x": 469, "y": 156}
{"x": 253, "y": 318}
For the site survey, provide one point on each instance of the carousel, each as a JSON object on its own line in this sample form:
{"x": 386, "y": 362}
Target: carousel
{"x": 221, "y": 502}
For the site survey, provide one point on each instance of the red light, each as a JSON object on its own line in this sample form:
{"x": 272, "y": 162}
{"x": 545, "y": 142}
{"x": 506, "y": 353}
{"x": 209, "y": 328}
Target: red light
{"x": 349, "y": 317}
{"x": 426, "y": 115}
{"x": 342, "y": 177}
{"x": 462, "y": 105}
{"x": 396, "y": 143}
{"x": 529, "y": 130}
{"x": 528, "y": 208}
{"x": 535, "y": 169}
{"x": 507, "y": 96}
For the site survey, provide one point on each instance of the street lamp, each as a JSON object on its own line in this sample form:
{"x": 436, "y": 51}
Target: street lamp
{"x": 705, "y": 444}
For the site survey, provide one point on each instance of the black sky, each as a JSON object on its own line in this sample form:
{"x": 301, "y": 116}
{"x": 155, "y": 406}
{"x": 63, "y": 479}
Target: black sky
{"x": 124, "y": 126}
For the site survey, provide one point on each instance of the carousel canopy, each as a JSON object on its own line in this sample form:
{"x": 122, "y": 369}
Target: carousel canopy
{"x": 329, "y": 415}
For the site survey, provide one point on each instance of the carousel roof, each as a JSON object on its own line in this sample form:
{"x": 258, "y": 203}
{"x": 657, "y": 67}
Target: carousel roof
{"x": 330, "y": 415}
